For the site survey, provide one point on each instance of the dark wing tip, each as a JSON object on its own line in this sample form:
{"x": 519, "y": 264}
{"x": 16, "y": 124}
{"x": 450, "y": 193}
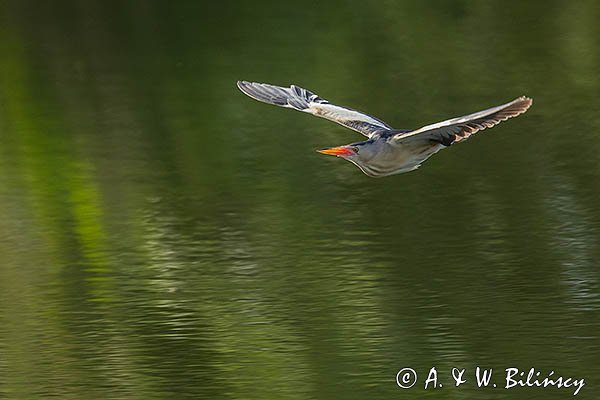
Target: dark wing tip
{"x": 243, "y": 85}
{"x": 272, "y": 94}
{"x": 257, "y": 91}
{"x": 522, "y": 104}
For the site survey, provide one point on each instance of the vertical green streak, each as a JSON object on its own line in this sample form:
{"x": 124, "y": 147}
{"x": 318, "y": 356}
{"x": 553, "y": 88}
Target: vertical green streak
{"x": 69, "y": 245}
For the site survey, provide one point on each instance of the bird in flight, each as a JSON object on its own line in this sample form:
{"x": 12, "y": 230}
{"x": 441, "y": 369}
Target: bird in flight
{"x": 387, "y": 151}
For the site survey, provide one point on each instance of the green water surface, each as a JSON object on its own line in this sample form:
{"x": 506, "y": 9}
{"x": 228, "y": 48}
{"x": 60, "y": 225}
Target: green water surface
{"x": 163, "y": 236}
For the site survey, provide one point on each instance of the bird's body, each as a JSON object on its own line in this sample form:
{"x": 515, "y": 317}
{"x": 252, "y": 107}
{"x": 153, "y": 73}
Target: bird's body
{"x": 386, "y": 151}
{"x": 382, "y": 156}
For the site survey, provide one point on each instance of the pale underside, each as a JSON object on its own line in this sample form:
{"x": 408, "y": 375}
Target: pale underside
{"x": 398, "y": 159}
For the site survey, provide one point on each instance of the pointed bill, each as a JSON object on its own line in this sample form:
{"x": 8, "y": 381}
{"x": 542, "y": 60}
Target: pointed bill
{"x": 342, "y": 151}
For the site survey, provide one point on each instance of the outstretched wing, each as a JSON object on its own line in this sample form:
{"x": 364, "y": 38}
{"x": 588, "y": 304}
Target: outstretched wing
{"x": 303, "y": 100}
{"x": 459, "y": 129}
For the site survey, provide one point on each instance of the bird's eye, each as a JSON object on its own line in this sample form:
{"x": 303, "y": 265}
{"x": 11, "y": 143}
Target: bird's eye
{"x": 355, "y": 148}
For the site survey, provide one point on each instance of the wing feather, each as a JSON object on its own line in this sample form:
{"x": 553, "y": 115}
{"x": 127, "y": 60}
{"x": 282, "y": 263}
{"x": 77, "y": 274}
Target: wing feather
{"x": 304, "y": 100}
{"x": 459, "y": 129}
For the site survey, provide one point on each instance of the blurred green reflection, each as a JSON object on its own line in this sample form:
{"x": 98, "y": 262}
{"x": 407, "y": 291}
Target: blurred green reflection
{"x": 162, "y": 236}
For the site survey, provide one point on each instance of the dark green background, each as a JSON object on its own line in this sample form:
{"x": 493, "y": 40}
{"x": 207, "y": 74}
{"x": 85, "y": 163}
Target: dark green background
{"x": 162, "y": 236}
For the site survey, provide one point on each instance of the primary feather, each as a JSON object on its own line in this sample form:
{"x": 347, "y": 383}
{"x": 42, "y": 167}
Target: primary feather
{"x": 459, "y": 129}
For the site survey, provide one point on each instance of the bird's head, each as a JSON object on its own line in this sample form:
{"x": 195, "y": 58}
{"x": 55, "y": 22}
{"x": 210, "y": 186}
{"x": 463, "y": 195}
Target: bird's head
{"x": 362, "y": 154}
{"x": 355, "y": 152}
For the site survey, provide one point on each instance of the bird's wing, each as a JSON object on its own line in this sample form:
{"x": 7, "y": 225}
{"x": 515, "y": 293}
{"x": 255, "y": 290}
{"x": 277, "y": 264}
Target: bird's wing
{"x": 459, "y": 129}
{"x": 303, "y": 100}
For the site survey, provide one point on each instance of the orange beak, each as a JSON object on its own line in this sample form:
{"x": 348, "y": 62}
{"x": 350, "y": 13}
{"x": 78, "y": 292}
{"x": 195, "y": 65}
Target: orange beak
{"x": 342, "y": 151}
